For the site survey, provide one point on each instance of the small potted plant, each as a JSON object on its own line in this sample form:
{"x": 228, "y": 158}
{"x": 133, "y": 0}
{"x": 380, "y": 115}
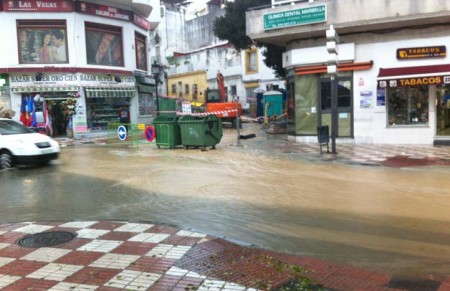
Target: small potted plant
{"x": 69, "y": 107}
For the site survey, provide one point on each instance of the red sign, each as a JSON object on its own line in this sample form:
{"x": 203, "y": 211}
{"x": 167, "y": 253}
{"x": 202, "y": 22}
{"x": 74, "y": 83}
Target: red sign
{"x": 141, "y": 21}
{"x": 38, "y": 6}
{"x": 150, "y": 133}
{"x": 104, "y": 11}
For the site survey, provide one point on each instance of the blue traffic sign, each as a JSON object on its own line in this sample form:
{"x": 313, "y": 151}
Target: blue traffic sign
{"x": 122, "y": 132}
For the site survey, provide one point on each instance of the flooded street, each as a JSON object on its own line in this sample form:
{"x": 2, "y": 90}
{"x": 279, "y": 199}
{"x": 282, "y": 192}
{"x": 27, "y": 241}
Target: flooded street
{"x": 394, "y": 220}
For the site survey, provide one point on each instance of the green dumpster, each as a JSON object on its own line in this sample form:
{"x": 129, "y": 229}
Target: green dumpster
{"x": 167, "y": 131}
{"x": 167, "y": 106}
{"x": 200, "y": 131}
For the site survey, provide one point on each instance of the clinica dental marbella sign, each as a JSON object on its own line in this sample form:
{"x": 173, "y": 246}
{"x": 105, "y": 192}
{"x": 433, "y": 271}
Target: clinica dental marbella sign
{"x": 302, "y": 16}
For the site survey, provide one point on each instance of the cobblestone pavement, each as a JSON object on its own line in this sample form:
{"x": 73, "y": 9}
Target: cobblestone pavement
{"x": 114, "y": 255}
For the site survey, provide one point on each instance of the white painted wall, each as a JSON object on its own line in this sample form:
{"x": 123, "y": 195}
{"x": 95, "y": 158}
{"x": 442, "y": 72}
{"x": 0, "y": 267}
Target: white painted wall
{"x": 76, "y": 40}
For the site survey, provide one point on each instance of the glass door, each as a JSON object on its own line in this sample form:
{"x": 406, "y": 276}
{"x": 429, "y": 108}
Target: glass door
{"x": 345, "y": 104}
{"x": 443, "y": 111}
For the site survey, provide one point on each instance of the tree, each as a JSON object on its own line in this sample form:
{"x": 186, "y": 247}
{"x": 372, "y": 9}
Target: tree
{"x": 231, "y": 27}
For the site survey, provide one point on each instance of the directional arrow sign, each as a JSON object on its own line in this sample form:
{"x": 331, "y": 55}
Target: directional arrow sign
{"x": 122, "y": 132}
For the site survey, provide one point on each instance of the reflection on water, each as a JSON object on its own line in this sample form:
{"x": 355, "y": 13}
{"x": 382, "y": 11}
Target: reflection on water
{"x": 391, "y": 219}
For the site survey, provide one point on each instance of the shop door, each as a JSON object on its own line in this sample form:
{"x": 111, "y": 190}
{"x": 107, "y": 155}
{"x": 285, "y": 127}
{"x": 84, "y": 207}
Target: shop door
{"x": 443, "y": 111}
{"x": 345, "y": 104}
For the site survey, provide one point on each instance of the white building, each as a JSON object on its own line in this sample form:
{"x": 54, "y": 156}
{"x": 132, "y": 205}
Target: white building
{"x": 95, "y": 50}
{"x": 393, "y": 69}
{"x": 194, "y": 56}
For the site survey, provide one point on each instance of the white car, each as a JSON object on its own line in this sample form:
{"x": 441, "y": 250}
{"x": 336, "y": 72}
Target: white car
{"x": 20, "y": 145}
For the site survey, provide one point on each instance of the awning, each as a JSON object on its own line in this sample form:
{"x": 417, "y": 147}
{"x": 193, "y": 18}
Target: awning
{"x": 197, "y": 104}
{"x": 251, "y": 85}
{"x": 414, "y": 76}
{"x": 109, "y": 92}
{"x": 340, "y": 68}
{"x": 40, "y": 89}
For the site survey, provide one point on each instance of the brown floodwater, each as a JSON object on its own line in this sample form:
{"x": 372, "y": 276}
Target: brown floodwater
{"x": 393, "y": 220}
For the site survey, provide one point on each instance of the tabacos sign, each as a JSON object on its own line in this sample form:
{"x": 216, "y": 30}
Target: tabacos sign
{"x": 421, "y": 52}
{"x": 412, "y": 82}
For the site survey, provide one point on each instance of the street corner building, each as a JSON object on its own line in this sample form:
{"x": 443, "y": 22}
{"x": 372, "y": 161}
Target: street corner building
{"x": 93, "y": 51}
{"x": 385, "y": 66}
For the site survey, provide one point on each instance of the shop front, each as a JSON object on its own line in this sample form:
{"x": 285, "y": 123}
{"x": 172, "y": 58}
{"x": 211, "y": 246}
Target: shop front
{"x": 146, "y": 87}
{"x": 42, "y": 102}
{"x": 418, "y": 97}
{"x": 106, "y": 96}
{"x": 69, "y": 104}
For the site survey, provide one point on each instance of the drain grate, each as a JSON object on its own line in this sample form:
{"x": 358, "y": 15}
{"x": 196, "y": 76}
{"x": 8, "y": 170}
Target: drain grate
{"x": 46, "y": 239}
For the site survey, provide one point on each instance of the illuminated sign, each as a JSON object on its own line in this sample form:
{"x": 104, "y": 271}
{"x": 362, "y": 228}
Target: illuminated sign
{"x": 421, "y": 52}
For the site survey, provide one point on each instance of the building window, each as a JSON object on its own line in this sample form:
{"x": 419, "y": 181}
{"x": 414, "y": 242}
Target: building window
{"x": 186, "y": 89}
{"x": 194, "y": 91}
{"x": 174, "y": 89}
{"x": 407, "y": 106}
{"x": 141, "y": 52}
{"x": 146, "y": 107}
{"x": 233, "y": 90}
{"x": 104, "y": 45}
{"x": 42, "y": 41}
{"x": 251, "y": 61}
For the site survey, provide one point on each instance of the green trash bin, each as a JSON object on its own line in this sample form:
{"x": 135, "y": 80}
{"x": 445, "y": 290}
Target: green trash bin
{"x": 167, "y": 131}
{"x": 200, "y": 131}
{"x": 167, "y": 106}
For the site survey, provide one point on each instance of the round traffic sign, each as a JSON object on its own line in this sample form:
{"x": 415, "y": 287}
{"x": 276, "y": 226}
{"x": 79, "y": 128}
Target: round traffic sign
{"x": 149, "y": 133}
{"x": 122, "y": 132}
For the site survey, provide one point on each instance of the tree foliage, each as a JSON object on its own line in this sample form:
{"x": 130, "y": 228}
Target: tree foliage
{"x": 231, "y": 27}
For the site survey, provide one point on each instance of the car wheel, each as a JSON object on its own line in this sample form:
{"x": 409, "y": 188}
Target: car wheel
{"x": 6, "y": 160}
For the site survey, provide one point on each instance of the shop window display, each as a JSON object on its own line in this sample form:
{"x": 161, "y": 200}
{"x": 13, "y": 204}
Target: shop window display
{"x": 407, "y": 106}
{"x": 101, "y": 111}
{"x": 146, "y": 104}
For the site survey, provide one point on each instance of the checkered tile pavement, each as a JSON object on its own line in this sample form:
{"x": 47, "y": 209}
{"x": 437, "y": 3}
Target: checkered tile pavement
{"x": 103, "y": 256}
{"x": 112, "y": 255}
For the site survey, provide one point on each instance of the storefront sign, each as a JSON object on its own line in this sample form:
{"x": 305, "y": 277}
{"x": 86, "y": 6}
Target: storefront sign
{"x": 302, "y": 16}
{"x": 411, "y": 82}
{"x": 141, "y": 22}
{"x": 38, "y": 6}
{"x": 19, "y": 81}
{"x": 103, "y": 11}
{"x": 421, "y": 52}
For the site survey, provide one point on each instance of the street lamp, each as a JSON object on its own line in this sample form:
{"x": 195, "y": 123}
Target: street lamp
{"x": 156, "y": 71}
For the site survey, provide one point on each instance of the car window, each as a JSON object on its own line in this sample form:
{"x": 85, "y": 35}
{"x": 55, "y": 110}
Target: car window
{"x": 11, "y": 127}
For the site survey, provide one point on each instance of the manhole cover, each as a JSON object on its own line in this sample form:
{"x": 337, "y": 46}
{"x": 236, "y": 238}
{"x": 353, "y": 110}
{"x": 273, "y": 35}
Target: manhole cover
{"x": 46, "y": 239}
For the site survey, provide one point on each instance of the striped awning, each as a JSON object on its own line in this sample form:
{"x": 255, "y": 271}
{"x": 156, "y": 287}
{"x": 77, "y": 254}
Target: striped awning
{"x": 40, "y": 89}
{"x": 109, "y": 92}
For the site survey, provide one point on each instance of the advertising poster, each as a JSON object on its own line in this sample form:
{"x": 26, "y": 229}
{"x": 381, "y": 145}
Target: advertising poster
{"x": 42, "y": 46}
{"x": 381, "y": 97}
{"x": 103, "y": 48}
{"x": 366, "y": 99}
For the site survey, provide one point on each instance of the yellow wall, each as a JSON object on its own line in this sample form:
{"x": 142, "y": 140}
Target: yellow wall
{"x": 191, "y": 78}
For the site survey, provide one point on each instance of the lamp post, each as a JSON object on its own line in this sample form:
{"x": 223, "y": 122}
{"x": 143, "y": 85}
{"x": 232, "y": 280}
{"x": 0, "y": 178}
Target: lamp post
{"x": 156, "y": 71}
